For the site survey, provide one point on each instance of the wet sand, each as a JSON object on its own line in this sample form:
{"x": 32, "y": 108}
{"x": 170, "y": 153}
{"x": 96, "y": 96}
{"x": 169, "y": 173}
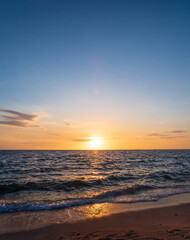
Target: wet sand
{"x": 159, "y": 223}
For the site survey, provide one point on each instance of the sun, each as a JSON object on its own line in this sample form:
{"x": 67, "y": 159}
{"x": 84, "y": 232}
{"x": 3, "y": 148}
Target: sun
{"x": 95, "y": 142}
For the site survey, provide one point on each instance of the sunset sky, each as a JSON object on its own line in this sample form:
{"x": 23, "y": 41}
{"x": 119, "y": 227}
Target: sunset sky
{"x": 87, "y": 74}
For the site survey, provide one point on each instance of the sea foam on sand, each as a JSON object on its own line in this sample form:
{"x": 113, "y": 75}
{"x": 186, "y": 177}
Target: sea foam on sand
{"x": 168, "y": 218}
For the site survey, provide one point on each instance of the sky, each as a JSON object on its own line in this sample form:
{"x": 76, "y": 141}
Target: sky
{"x": 117, "y": 71}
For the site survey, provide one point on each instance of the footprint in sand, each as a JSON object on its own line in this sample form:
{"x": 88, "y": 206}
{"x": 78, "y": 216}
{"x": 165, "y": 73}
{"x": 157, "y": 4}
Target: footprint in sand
{"x": 132, "y": 234}
{"x": 178, "y": 232}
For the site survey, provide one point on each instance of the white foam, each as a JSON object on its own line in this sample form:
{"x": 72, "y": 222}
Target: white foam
{"x": 7, "y": 207}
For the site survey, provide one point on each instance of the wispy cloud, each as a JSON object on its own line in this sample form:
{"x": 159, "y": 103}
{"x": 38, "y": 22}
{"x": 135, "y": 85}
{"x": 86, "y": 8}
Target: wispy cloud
{"x": 17, "y": 119}
{"x": 156, "y": 135}
{"x": 178, "y": 131}
{"x": 169, "y": 134}
{"x": 67, "y": 124}
{"x": 81, "y": 139}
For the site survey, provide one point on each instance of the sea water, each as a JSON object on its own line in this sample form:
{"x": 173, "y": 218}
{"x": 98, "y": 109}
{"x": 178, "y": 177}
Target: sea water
{"x": 49, "y": 180}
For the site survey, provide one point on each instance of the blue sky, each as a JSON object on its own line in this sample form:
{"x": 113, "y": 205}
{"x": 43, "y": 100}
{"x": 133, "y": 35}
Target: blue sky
{"x": 121, "y": 61}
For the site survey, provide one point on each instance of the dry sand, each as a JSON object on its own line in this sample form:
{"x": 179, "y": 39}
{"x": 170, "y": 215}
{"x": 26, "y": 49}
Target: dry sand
{"x": 158, "y": 223}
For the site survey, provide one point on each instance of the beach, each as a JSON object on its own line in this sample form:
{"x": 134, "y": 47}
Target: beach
{"x": 158, "y": 223}
{"x": 95, "y": 195}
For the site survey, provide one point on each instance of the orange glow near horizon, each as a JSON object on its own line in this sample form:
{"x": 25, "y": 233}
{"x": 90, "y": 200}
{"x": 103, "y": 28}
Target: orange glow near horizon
{"x": 97, "y": 135}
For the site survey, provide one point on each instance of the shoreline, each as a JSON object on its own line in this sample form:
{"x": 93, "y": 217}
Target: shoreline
{"x": 158, "y": 221}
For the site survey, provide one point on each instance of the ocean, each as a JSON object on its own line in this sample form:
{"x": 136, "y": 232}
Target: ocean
{"x": 49, "y": 180}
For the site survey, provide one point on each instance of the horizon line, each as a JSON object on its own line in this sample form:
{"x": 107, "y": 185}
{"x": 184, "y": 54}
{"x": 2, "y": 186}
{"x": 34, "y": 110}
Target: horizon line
{"x": 140, "y": 149}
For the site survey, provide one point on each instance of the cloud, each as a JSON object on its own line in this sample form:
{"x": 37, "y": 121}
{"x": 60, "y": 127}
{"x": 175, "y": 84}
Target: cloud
{"x": 177, "y": 131}
{"x": 22, "y": 116}
{"x": 14, "y": 123}
{"x": 81, "y": 139}
{"x": 156, "y": 135}
{"x": 17, "y": 119}
{"x": 169, "y": 134}
{"x": 67, "y": 124}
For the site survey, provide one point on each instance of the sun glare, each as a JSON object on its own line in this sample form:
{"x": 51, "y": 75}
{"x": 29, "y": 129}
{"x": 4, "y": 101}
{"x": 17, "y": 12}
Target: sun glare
{"x": 95, "y": 142}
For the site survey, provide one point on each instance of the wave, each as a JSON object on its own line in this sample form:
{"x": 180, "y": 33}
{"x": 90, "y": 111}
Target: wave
{"x": 61, "y": 185}
{"x": 47, "y": 186}
{"x": 20, "y": 207}
{"x": 169, "y": 176}
{"x": 124, "y": 191}
{"x": 7, "y": 207}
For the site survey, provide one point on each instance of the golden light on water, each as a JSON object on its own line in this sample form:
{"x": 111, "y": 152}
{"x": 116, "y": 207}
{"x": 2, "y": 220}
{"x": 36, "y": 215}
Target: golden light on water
{"x": 96, "y": 143}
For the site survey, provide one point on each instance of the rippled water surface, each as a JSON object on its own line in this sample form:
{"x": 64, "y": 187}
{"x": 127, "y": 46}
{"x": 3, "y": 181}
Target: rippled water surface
{"x": 39, "y": 180}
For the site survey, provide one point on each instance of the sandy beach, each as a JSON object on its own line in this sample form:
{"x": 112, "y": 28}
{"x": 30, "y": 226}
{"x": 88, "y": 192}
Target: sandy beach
{"x": 159, "y": 223}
